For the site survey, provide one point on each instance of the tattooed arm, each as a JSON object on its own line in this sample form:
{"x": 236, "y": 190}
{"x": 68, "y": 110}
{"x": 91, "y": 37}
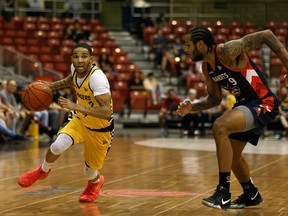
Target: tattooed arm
{"x": 233, "y": 49}
{"x": 63, "y": 83}
{"x": 103, "y": 111}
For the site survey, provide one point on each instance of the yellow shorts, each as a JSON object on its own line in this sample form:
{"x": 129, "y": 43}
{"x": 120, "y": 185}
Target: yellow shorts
{"x": 96, "y": 144}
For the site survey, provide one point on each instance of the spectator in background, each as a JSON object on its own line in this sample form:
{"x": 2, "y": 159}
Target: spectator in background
{"x": 78, "y": 33}
{"x": 168, "y": 107}
{"x": 151, "y": 85}
{"x": 68, "y": 32}
{"x": 72, "y": 9}
{"x": 104, "y": 62}
{"x": 145, "y": 21}
{"x": 110, "y": 70}
{"x": 8, "y": 9}
{"x": 19, "y": 114}
{"x": 190, "y": 121}
{"x": 183, "y": 70}
{"x": 136, "y": 82}
{"x": 159, "y": 46}
{"x": 161, "y": 21}
{"x": 37, "y": 8}
{"x": 284, "y": 110}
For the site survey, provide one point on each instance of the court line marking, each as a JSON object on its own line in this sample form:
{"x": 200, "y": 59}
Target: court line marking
{"x": 271, "y": 147}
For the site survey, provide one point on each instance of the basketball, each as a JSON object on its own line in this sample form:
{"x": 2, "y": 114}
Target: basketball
{"x": 37, "y": 96}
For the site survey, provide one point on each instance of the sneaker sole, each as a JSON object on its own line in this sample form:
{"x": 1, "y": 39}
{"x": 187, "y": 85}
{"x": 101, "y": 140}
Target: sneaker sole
{"x": 210, "y": 205}
{"x": 244, "y": 206}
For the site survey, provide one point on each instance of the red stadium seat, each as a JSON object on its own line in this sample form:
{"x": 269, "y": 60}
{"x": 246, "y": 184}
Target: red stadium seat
{"x": 180, "y": 31}
{"x": 63, "y": 68}
{"x": 54, "y": 21}
{"x": 7, "y": 41}
{"x": 234, "y": 24}
{"x": 201, "y": 89}
{"x": 192, "y": 80}
{"x": 138, "y": 101}
{"x": 18, "y": 22}
{"x": 125, "y": 77}
{"x": 122, "y": 88}
{"x": 275, "y": 67}
{"x": 10, "y": 33}
{"x": 120, "y": 68}
{"x": 19, "y": 41}
{"x": 153, "y": 105}
{"x": 22, "y": 49}
{"x": 189, "y": 25}
{"x": 57, "y": 27}
{"x": 54, "y": 34}
{"x": 118, "y": 101}
{"x": 49, "y": 65}
{"x": 121, "y": 59}
{"x": 43, "y": 27}
{"x": 148, "y": 33}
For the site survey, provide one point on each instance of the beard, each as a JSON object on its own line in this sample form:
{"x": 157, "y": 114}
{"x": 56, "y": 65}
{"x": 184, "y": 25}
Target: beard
{"x": 197, "y": 56}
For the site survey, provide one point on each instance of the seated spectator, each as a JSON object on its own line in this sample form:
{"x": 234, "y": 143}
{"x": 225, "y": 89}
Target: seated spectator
{"x": 136, "y": 82}
{"x": 78, "y": 33}
{"x": 183, "y": 70}
{"x": 19, "y": 115}
{"x": 72, "y": 9}
{"x": 110, "y": 70}
{"x": 190, "y": 121}
{"x": 104, "y": 62}
{"x": 161, "y": 20}
{"x": 68, "y": 32}
{"x": 159, "y": 46}
{"x": 37, "y": 8}
{"x": 8, "y": 9}
{"x": 151, "y": 85}
{"x": 8, "y": 134}
{"x": 145, "y": 21}
{"x": 168, "y": 107}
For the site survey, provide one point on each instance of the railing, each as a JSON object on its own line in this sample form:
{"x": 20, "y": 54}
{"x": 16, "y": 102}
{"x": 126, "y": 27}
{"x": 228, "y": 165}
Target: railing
{"x": 16, "y": 63}
{"x": 58, "y": 8}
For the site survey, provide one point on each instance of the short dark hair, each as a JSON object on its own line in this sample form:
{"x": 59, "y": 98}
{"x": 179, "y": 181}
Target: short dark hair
{"x": 204, "y": 34}
{"x": 84, "y": 45}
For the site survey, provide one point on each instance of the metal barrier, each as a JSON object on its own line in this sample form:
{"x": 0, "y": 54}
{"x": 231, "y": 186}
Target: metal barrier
{"x": 16, "y": 64}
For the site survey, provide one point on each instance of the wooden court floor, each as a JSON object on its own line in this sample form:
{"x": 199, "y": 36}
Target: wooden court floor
{"x": 144, "y": 175}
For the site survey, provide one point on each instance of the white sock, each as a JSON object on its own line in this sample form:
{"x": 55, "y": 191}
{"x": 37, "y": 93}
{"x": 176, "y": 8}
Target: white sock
{"x": 46, "y": 166}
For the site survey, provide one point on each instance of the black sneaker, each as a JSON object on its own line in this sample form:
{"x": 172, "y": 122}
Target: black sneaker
{"x": 246, "y": 200}
{"x": 220, "y": 199}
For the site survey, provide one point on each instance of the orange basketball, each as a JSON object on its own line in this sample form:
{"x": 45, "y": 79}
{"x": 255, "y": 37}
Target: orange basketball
{"x": 37, "y": 96}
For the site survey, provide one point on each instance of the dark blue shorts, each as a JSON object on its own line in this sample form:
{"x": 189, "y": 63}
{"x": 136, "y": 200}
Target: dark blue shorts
{"x": 261, "y": 119}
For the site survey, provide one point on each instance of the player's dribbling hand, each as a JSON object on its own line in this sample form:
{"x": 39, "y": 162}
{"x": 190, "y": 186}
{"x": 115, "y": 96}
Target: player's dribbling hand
{"x": 65, "y": 103}
{"x": 184, "y": 108}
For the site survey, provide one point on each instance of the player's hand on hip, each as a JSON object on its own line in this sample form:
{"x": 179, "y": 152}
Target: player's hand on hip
{"x": 184, "y": 108}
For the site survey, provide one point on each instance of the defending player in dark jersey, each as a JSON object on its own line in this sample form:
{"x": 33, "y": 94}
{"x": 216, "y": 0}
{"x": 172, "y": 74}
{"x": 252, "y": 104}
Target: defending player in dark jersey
{"x": 228, "y": 66}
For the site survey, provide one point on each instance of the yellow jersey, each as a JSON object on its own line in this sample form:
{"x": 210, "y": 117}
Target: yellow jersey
{"x": 86, "y": 97}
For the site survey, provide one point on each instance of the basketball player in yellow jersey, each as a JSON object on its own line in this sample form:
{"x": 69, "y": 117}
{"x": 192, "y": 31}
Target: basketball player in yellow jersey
{"x": 91, "y": 123}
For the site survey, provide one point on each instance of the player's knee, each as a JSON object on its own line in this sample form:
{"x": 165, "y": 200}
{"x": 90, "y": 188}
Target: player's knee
{"x": 89, "y": 173}
{"x": 61, "y": 144}
{"x": 219, "y": 127}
